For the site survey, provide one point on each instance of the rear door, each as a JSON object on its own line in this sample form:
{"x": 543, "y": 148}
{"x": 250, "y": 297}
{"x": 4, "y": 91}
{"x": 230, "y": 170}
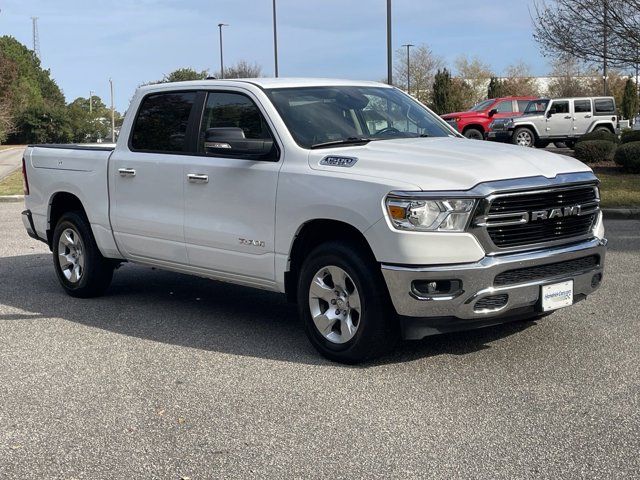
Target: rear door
{"x": 559, "y": 119}
{"x": 230, "y": 198}
{"x": 582, "y": 115}
{"x": 147, "y": 204}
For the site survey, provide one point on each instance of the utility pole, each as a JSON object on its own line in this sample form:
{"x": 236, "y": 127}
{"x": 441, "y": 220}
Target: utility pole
{"x": 605, "y": 30}
{"x": 113, "y": 115}
{"x": 36, "y": 36}
{"x": 408, "y": 45}
{"x": 90, "y": 101}
{"x": 275, "y": 39}
{"x": 389, "y": 53}
{"x": 220, "y": 25}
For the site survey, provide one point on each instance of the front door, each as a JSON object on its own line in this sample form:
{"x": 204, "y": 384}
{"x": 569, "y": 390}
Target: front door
{"x": 147, "y": 204}
{"x": 230, "y": 198}
{"x": 559, "y": 119}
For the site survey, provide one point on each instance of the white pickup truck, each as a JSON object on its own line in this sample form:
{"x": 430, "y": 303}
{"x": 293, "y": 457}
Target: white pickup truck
{"x": 352, "y": 198}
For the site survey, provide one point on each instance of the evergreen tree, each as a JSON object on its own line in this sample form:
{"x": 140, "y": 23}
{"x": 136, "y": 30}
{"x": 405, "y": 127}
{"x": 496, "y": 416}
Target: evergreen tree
{"x": 629, "y": 104}
{"x": 496, "y": 88}
{"x": 442, "y": 92}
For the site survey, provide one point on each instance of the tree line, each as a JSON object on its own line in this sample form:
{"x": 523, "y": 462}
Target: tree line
{"x": 471, "y": 81}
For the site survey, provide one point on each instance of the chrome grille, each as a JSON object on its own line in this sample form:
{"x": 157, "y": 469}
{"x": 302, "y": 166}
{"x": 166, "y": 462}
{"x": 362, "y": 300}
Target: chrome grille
{"x": 511, "y": 220}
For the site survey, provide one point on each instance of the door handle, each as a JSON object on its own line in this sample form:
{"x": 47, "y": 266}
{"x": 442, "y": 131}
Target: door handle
{"x": 587, "y": 116}
{"x": 198, "y": 178}
{"x": 127, "y": 172}
{"x": 568, "y": 117}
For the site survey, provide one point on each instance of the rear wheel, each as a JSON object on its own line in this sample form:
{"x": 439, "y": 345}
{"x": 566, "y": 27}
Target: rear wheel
{"x": 344, "y": 304}
{"x": 523, "y": 137}
{"x": 81, "y": 268}
{"x": 473, "y": 134}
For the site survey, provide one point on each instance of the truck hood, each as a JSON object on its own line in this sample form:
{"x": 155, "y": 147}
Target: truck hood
{"x": 449, "y": 116}
{"x": 446, "y": 163}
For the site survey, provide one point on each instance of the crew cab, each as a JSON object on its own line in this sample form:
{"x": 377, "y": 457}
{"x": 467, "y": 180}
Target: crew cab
{"x": 353, "y": 199}
{"x": 556, "y": 120}
{"x": 474, "y": 124}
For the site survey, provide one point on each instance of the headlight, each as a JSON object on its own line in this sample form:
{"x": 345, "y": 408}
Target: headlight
{"x": 450, "y": 215}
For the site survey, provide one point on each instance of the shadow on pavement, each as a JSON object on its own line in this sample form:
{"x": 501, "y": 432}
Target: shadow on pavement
{"x": 197, "y": 313}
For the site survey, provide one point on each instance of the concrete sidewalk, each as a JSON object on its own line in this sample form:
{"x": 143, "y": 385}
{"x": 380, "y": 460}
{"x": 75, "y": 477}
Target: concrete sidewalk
{"x": 10, "y": 160}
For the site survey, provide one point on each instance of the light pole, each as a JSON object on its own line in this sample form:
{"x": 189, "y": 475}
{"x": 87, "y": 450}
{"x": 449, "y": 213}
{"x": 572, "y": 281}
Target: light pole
{"x": 220, "y": 25}
{"x": 275, "y": 39}
{"x": 408, "y": 45}
{"x": 90, "y": 101}
{"x": 113, "y": 115}
{"x": 389, "y": 54}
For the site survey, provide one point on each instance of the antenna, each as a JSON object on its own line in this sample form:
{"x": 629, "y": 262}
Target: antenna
{"x": 36, "y": 37}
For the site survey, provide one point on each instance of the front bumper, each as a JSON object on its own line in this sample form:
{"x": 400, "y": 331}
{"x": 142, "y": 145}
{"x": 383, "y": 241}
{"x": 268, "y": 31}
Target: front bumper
{"x": 498, "y": 136}
{"x": 458, "y": 311}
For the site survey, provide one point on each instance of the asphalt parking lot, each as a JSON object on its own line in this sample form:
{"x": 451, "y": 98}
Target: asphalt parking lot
{"x": 174, "y": 377}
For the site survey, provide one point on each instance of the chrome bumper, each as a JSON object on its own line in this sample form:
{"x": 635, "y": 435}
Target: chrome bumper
{"x": 478, "y": 282}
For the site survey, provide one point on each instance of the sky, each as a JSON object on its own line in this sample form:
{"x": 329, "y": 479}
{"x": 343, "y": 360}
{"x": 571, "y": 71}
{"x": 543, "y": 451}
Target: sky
{"x": 84, "y": 42}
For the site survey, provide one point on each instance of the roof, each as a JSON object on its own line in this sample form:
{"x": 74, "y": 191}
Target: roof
{"x": 270, "y": 82}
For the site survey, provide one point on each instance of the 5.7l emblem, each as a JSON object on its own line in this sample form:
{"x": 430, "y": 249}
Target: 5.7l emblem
{"x": 251, "y": 243}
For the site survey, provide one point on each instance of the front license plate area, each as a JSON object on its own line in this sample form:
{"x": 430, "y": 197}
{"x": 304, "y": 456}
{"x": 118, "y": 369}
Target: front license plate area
{"x": 557, "y": 295}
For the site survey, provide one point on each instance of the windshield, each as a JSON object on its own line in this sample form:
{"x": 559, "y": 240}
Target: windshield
{"x": 536, "y": 107}
{"x": 316, "y": 116}
{"x": 482, "y": 106}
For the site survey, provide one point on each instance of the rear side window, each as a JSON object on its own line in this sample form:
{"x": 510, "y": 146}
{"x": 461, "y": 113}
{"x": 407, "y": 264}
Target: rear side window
{"x": 604, "y": 105}
{"x": 162, "y": 121}
{"x": 505, "y": 107}
{"x": 582, "y": 106}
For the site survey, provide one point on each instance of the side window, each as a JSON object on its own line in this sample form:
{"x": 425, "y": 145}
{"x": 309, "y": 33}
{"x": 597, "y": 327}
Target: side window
{"x": 522, "y": 105}
{"x": 505, "y": 107}
{"x": 604, "y": 105}
{"x": 161, "y": 124}
{"x": 582, "y": 106}
{"x": 560, "y": 107}
{"x": 233, "y": 110}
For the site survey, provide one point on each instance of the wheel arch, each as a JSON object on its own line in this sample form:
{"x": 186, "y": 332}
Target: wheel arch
{"x": 476, "y": 126}
{"x": 312, "y": 234}
{"x": 60, "y": 203}
{"x": 530, "y": 126}
{"x": 606, "y": 124}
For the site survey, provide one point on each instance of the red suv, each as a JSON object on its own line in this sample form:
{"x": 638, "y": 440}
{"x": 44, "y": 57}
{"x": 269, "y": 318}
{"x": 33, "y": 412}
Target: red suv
{"x": 475, "y": 123}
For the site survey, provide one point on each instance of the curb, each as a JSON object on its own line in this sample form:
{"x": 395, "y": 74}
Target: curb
{"x": 621, "y": 213}
{"x": 11, "y": 198}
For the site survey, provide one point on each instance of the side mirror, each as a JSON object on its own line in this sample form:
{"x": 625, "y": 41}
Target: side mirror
{"x": 492, "y": 112}
{"x": 231, "y": 142}
{"x": 551, "y": 112}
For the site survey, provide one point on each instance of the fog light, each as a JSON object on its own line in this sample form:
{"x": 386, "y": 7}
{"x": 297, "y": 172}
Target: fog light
{"x": 596, "y": 279}
{"x": 436, "y": 287}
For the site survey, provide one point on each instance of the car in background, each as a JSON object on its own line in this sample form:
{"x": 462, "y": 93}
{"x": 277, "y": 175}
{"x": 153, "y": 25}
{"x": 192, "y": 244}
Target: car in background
{"x": 474, "y": 124}
{"x": 556, "y": 120}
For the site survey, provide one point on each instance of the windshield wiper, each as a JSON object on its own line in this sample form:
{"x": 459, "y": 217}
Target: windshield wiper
{"x": 344, "y": 141}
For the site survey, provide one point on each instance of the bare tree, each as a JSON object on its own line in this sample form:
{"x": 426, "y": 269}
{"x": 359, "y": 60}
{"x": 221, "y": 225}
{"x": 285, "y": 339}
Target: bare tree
{"x": 423, "y": 65}
{"x": 476, "y": 75}
{"x": 519, "y": 81}
{"x": 599, "y": 32}
{"x": 568, "y": 78}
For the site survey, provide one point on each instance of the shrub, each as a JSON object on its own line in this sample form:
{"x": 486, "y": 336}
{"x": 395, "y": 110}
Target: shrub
{"x": 628, "y": 156}
{"x": 599, "y": 135}
{"x": 630, "y": 136}
{"x": 591, "y": 151}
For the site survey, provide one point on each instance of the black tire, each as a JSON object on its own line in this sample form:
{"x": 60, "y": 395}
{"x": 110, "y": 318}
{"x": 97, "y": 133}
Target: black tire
{"x": 570, "y": 144}
{"x": 602, "y": 129}
{"x": 377, "y": 332}
{"x": 520, "y": 133}
{"x": 473, "y": 134}
{"x": 96, "y": 272}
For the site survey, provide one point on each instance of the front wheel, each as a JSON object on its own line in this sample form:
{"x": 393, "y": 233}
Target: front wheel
{"x": 344, "y": 304}
{"x": 473, "y": 134}
{"x": 523, "y": 137}
{"x": 80, "y": 267}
